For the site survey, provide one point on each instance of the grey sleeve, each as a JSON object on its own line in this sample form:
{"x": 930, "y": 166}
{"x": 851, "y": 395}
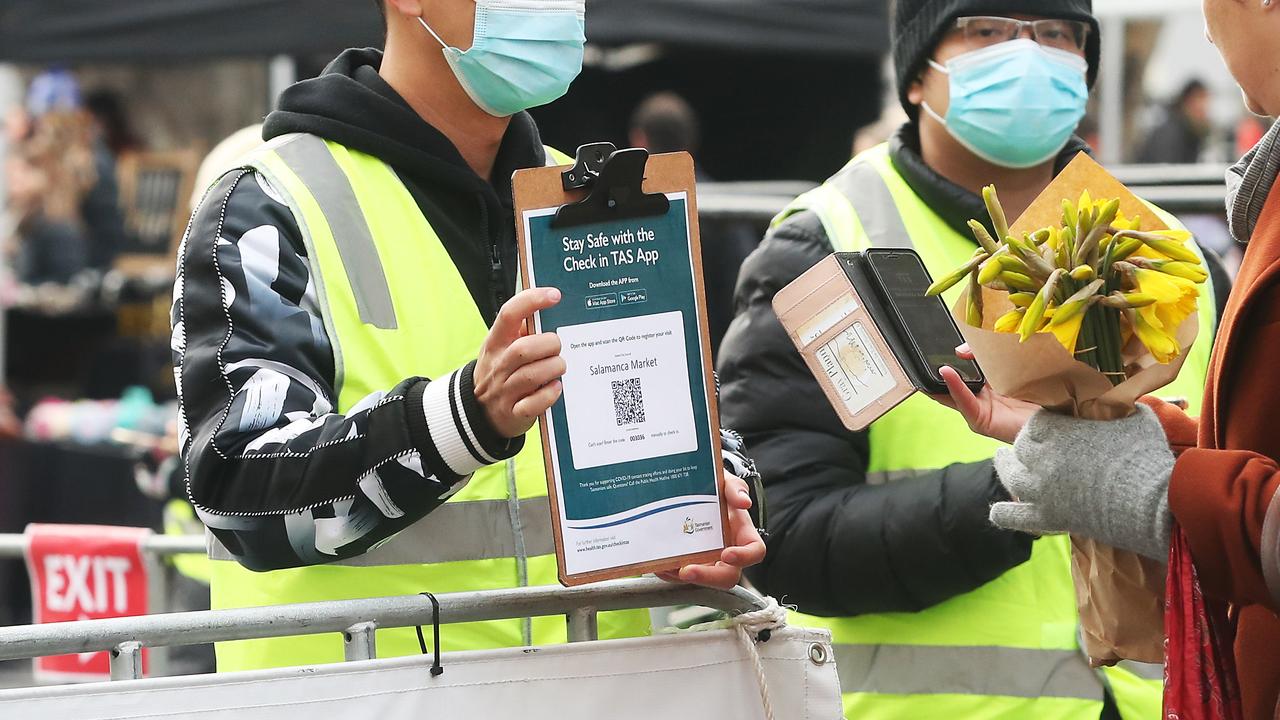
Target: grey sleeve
{"x": 1271, "y": 549}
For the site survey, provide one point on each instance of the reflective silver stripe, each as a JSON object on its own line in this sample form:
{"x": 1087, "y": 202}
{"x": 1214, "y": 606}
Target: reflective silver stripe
{"x": 866, "y": 190}
{"x": 1146, "y": 671}
{"x": 455, "y": 531}
{"x": 891, "y": 476}
{"x": 935, "y": 670}
{"x": 309, "y": 158}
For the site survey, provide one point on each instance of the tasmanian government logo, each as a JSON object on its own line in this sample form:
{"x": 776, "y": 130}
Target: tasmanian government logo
{"x": 690, "y": 527}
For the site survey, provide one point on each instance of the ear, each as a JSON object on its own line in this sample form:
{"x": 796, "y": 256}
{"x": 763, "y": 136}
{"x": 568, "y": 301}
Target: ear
{"x": 915, "y": 92}
{"x": 407, "y": 8}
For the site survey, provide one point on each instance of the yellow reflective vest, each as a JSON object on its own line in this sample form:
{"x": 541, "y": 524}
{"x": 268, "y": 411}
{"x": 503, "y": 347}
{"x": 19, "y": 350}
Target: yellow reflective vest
{"x": 394, "y": 306}
{"x": 1009, "y": 648}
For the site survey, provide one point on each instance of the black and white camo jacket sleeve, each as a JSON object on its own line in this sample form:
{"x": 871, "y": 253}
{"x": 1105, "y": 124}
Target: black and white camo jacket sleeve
{"x": 279, "y": 477}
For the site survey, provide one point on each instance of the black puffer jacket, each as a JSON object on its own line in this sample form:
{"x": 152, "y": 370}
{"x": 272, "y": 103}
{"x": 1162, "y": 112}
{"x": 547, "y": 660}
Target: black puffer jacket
{"x": 838, "y": 545}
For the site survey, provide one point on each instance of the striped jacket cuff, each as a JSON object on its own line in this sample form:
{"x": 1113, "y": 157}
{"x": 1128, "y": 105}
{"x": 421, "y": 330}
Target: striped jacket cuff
{"x": 457, "y": 427}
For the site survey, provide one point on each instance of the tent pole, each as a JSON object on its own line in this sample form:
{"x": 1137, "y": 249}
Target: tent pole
{"x": 11, "y": 90}
{"x": 1112, "y": 106}
{"x": 282, "y": 71}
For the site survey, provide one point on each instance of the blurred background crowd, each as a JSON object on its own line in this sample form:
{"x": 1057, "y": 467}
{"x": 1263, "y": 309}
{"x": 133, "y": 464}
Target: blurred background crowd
{"x": 109, "y": 107}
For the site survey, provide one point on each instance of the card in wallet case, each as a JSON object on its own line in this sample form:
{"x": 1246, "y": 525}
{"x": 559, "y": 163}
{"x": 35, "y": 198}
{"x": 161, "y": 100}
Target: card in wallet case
{"x": 832, "y": 325}
{"x": 853, "y": 341}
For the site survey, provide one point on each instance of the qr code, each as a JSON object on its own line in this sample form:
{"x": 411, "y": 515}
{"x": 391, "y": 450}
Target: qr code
{"x": 628, "y": 402}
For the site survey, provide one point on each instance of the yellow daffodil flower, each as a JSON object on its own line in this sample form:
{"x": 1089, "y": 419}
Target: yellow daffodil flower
{"x": 1163, "y": 346}
{"x": 1068, "y": 332}
{"x": 1168, "y": 245}
{"x": 1009, "y": 322}
{"x": 1176, "y": 299}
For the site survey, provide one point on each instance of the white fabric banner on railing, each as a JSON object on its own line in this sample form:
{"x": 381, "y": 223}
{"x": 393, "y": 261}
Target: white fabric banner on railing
{"x": 692, "y": 675}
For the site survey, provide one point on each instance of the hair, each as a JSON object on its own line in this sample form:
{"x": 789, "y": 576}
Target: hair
{"x": 382, "y": 10}
{"x": 668, "y": 122}
{"x": 108, "y": 108}
{"x": 1192, "y": 88}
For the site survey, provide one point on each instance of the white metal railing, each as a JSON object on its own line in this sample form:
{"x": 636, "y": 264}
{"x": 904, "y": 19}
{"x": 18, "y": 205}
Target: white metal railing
{"x": 1175, "y": 188}
{"x": 357, "y": 620}
{"x": 1157, "y": 175}
{"x": 14, "y": 545}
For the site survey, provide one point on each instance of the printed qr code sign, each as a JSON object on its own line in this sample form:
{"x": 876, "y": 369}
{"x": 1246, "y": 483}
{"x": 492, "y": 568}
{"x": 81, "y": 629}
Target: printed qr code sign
{"x": 628, "y": 402}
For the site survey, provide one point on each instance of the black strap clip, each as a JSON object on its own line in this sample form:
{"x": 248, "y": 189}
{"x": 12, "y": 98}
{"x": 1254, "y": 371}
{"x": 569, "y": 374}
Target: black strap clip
{"x": 436, "y": 669}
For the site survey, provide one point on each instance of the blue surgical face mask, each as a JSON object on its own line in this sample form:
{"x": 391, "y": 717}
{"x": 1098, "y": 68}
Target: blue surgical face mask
{"x": 525, "y": 53}
{"x": 1015, "y": 104}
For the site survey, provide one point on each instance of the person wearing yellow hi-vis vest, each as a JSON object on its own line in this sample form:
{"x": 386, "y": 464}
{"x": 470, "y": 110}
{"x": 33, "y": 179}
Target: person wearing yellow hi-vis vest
{"x": 355, "y": 374}
{"x": 883, "y": 536}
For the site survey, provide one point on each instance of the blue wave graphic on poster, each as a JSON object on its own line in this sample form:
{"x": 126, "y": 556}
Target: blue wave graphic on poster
{"x": 644, "y": 514}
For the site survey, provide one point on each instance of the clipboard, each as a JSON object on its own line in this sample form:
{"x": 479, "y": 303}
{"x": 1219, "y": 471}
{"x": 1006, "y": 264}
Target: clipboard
{"x": 634, "y": 471}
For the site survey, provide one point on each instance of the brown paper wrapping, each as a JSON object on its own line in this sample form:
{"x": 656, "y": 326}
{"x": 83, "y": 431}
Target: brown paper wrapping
{"x": 1120, "y": 595}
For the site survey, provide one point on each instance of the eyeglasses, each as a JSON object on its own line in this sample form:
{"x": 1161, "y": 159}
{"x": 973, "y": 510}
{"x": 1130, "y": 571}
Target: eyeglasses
{"x": 984, "y": 31}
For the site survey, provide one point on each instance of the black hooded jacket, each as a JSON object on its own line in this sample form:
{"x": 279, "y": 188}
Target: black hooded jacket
{"x": 269, "y": 460}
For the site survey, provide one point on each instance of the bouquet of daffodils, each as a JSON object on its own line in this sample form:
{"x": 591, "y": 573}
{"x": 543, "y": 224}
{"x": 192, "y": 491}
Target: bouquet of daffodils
{"x": 1095, "y": 280}
{"x": 1088, "y": 302}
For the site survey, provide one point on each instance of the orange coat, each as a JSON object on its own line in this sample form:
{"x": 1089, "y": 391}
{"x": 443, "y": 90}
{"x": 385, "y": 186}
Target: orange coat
{"x": 1228, "y": 467}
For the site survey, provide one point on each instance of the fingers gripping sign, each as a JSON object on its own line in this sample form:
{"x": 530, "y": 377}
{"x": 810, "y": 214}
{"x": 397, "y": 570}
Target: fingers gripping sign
{"x": 747, "y": 548}
{"x": 517, "y": 376}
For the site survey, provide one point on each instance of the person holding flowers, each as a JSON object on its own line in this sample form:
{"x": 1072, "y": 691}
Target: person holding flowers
{"x": 1161, "y": 476}
{"x": 882, "y": 536}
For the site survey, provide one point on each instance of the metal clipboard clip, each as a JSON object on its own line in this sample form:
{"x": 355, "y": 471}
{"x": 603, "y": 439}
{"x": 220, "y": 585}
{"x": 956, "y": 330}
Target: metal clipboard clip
{"x": 614, "y": 180}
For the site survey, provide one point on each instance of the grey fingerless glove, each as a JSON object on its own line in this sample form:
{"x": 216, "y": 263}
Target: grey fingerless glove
{"x": 1108, "y": 481}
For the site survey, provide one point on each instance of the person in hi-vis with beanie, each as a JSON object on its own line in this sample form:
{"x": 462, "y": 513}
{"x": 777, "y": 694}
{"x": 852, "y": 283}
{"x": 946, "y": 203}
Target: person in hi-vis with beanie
{"x": 882, "y": 536}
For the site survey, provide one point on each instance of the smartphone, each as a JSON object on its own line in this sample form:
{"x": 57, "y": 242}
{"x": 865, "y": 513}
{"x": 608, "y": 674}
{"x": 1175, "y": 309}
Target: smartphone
{"x": 929, "y": 333}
